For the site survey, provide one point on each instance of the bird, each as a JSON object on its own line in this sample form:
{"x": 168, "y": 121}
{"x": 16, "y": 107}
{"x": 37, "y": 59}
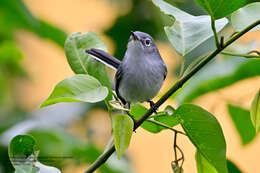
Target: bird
{"x": 140, "y": 75}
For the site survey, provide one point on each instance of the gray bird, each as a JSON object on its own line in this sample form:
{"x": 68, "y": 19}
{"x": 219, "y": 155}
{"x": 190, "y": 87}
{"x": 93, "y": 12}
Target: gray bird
{"x": 140, "y": 75}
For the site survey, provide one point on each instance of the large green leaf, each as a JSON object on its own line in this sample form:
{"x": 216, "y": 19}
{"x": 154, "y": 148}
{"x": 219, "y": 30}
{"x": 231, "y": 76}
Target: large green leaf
{"x": 78, "y": 88}
{"x": 23, "y": 155}
{"x": 255, "y": 111}
{"x": 123, "y": 127}
{"x": 220, "y": 8}
{"x": 203, "y": 166}
{"x": 205, "y": 133}
{"x": 81, "y": 62}
{"x": 188, "y": 31}
{"x": 166, "y": 117}
{"x": 218, "y": 74}
{"x": 242, "y": 122}
{"x": 245, "y": 16}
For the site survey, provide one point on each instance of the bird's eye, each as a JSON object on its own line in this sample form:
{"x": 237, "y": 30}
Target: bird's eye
{"x": 147, "y": 42}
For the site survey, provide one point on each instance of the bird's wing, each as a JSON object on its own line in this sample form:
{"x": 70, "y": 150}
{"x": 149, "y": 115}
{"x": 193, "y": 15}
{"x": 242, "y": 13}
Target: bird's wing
{"x": 104, "y": 57}
{"x": 118, "y": 78}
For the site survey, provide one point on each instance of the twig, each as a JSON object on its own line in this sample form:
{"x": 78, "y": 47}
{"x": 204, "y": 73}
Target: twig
{"x": 254, "y": 51}
{"x": 103, "y": 157}
{"x": 213, "y": 27}
{"x": 238, "y": 54}
{"x": 174, "y": 148}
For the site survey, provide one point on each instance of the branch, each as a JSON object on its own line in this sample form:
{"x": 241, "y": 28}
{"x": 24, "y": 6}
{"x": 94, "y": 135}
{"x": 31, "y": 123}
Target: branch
{"x": 103, "y": 157}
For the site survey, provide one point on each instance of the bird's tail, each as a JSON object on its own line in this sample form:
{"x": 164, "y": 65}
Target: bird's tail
{"x": 104, "y": 57}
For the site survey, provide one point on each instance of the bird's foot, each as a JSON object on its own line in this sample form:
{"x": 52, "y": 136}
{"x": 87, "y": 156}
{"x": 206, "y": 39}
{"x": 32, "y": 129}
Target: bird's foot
{"x": 153, "y": 106}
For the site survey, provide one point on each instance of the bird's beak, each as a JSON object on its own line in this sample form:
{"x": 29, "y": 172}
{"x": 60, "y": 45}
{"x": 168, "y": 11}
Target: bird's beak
{"x": 135, "y": 37}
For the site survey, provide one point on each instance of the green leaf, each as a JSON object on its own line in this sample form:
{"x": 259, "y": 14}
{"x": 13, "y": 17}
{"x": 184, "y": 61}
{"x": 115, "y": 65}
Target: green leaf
{"x": 75, "y": 47}
{"x": 166, "y": 117}
{"x": 203, "y": 166}
{"x": 81, "y": 62}
{"x": 220, "y": 8}
{"x": 255, "y": 111}
{"x": 123, "y": 127}
{"x": 21, "y": 147}
{"x": 245, "y": 16}
{"x": 217, "y": 74}
{"x": 188, "y": 31}
{"x": 78, "y": 88}
{"x": 23, "y": 155}
{"x": 205, "y": 133}
{"x": 242, "y": 122}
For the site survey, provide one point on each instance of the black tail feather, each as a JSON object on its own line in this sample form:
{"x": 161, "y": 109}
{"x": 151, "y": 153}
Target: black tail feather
{"x": 104, "y": 57}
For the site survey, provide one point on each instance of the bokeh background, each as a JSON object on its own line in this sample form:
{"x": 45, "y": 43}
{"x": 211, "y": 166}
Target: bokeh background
{"x": 32, "y": 61}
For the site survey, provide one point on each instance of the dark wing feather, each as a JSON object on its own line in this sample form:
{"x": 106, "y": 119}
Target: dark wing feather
{"x": 118, "y": 78}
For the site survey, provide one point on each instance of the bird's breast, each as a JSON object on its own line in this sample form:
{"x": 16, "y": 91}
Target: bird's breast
{"x": 141, "y": 82}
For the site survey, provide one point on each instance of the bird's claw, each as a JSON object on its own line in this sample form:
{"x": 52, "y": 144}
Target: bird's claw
{"x": 153, "y": 106}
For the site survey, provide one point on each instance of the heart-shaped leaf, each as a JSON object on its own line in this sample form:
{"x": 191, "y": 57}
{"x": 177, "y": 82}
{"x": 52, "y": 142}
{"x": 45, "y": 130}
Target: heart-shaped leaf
{"x": 187, "y": 31}
{"x": 205, "y": 133}
{"x": 123, "y": 127}
{"x": 245, "y": 16}
{"x": 78, "y": 88}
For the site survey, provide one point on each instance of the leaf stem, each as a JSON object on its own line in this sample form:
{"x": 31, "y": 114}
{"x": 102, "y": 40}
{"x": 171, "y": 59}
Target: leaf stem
{"x": 213, "y": 27}
{"x": 103, "y": 157}
{"x": 238, "y": 54}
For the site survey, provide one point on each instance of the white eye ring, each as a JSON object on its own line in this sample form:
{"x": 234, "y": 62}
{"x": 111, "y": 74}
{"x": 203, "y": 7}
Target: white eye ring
{"x": 147, "y": 42}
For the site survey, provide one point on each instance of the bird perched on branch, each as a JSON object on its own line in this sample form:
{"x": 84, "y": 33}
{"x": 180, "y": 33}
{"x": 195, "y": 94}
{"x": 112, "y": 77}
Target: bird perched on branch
{"x": 140, "y": 75}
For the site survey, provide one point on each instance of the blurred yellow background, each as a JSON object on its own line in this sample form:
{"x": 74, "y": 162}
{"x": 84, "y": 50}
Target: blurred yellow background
{"x": 149, "y": 153}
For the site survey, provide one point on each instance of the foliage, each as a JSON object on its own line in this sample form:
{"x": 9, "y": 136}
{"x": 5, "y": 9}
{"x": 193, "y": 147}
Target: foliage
{"x": 123, "y": 127}
{"x": 242, "y": 122}
{"x": 77, "y": 88}
{"x": 91, "y": 84}
{"x": 188, "y": 31}
{"x": 205, "y": 133}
